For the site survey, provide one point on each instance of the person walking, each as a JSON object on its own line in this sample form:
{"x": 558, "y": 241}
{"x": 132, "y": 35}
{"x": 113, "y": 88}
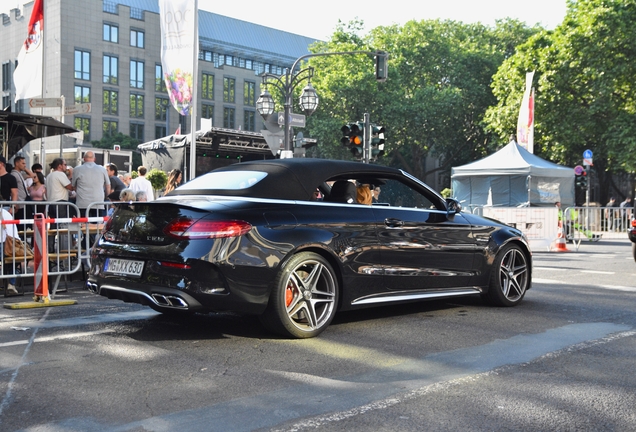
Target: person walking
{"x": 141, "y": 183}
{"x": 91, "y": 184}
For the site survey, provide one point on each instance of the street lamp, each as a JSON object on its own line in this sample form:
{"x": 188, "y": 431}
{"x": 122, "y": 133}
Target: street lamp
{"x": 286, "y": 85}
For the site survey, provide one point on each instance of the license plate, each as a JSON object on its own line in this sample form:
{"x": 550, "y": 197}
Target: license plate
{"x": 124, "y": 267}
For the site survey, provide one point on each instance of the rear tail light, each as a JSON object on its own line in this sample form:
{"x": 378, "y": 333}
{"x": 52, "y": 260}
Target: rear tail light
{"x": 633, "y": 223}
{"x": 206, "y": 229}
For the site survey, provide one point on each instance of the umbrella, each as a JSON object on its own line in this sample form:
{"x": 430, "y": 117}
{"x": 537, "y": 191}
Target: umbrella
{"x": 17, "y": 129}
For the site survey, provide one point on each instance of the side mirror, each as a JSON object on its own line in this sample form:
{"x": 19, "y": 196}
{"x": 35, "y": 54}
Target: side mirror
{"x": 453, "y": 206}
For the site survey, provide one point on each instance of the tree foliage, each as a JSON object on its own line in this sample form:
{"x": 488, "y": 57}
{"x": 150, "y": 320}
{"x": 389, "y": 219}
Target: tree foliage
{"x": 585, "y": 96}
{"x": 436, "y": 95}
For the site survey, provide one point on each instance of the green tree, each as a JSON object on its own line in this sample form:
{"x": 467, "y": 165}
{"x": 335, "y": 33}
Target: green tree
{"x": 585, "y": 95}
{"x": 435, "y": 98}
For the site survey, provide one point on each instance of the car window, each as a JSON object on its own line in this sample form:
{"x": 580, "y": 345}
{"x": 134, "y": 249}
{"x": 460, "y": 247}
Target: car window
{"x": 225, "y": 180}
{"x": 397, "y": 194}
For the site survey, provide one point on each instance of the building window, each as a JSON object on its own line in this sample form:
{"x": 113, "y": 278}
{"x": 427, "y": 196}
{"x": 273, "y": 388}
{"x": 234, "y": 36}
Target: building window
{"x": 136, "y": 105}
{"x": 205, "y": 55}
{"x": 137, "y": 38}
{"x": 82, "y": 94}
{"x": 160, "y": 132}
{"x": 109, "y": 127}
{"x": 228, "y": 89}
{"x": 249, "y": 93}
{"x": 110, "y": 102}
{"x": 82, "y": 65}
{"x": 136, "y": 74}
{"x": 137, "y": 13}
{"x": 160, "y": 83}
{"x": 161, "y": 108}
{"x": 228, "y": 118}
{"x": 6, "y": 77}
{"x": 6, "y": 101}
{"x": 111, "y": 70}
{"x": 111, "y": 33}
{"x": 207, "y": 86}
{"x": 110, "y": 7}
{"x": 207, "y": 111}
{"x": 83, "y": 124}
{"x": 137, "y": 131}
{"x": 249, "y": 120}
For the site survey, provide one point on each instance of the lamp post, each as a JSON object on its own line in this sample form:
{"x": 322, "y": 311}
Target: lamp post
{"x": 286, "y": 85}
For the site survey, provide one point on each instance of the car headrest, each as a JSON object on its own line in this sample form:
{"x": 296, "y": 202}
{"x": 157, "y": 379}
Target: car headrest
{"x": 342, "y": 191}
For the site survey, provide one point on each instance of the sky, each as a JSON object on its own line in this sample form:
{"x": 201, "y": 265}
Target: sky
{"x": 318, "y": 19}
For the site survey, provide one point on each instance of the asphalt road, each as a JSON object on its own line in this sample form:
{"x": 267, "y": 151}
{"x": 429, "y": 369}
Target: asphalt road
{"x": 562, "y": 360}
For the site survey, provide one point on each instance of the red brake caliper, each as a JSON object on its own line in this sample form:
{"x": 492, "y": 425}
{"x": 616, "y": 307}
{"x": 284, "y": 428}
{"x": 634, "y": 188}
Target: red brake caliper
{"x": 289, "y": 294}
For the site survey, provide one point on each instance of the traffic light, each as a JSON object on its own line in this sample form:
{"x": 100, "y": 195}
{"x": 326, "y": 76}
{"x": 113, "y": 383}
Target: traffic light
{"x": 381, "y": 65}
{"x": 581, "y": 180}
{"x": 377, "y": 141}
{"x": 353, "y": 137}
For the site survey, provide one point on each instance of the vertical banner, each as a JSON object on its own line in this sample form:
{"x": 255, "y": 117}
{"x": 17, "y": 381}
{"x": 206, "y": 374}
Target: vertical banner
{"x": 27, "y": 76}
{"x": 525, "y": 122}
{"x": 179, "y": 42}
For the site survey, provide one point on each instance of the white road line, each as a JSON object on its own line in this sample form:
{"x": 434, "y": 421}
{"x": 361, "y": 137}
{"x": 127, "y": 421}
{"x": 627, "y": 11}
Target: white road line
{"x": 550, "y": 268}
{"x": 598, "y": 272}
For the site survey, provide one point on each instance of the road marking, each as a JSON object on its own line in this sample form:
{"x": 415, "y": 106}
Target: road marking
{"x": 550, "y": 268}
{"x": 57, "y": 337}
{"x": 598, "y": 272}
{"x": 310, "y": 401}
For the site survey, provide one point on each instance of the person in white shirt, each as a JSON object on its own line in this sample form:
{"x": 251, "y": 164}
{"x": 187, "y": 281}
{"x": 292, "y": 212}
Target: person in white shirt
{"x": 141, "y": 184}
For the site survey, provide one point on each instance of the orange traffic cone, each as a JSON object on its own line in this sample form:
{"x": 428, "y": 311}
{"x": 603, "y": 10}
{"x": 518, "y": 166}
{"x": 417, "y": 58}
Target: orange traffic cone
{"x": 559, "y": 244}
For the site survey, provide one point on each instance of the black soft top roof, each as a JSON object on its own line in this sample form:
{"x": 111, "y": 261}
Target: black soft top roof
{"x": 296, "y": 179}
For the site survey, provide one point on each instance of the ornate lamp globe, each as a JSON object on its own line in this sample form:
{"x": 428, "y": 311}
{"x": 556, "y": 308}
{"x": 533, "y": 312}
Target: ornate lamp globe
{"x": 265, "y": 104}
{"x": 309, "y": 99}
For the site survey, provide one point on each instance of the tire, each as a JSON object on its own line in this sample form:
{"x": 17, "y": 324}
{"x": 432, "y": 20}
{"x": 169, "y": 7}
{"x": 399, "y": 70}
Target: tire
{"x": 509, "y": 277}
{"x": 304, "y": 298}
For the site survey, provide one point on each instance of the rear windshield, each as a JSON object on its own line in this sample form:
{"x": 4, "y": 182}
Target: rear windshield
{"x": 225, "y": 180}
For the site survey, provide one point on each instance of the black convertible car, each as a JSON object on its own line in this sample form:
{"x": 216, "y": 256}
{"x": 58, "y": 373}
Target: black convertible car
{"x": 287, "y": 240}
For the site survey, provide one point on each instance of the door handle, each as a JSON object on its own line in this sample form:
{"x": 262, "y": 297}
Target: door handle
{"x": 393, "y": 223}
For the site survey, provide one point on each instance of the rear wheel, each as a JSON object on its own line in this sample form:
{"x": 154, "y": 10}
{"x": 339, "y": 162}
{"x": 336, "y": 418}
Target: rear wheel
{"x": 509, "y": 277}
{"x": 634, "y": 250}
{"x": 303, "y": 301}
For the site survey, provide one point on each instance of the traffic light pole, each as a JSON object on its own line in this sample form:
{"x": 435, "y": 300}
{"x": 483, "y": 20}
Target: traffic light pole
{"x": 367, "y": 139}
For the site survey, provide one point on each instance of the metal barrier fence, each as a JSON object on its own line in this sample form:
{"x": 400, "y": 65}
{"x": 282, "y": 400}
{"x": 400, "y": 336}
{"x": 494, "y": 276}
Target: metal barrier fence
{"x": 68, "y": 238}
{"x": 580, "y": 224}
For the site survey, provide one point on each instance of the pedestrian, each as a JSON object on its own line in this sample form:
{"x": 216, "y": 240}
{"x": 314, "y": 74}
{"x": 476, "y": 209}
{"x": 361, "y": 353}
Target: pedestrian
{"x": 141, "y": 196}
{"x": 8, "y": 186}
{"x": 38, "y": 191}
{"x": 174, "y": 180}
{"x": 141, "y": 183}
{"x": 58, "y": 187}
{"x": 626, "y": 211}
{"x": 24, "y": 179}
{"x": 376, "y": 194}
{"x": 116, "y": 184}
{"x": 126, "y": 178}
{"x": 92, "y": 185}
{"x": 610, "y": 214}
{"x": 7, "y": 230}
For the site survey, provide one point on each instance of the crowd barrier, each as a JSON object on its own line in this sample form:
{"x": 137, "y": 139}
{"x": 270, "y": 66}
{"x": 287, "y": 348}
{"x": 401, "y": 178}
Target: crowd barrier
{"x": 580, "y": 224}
{"x": 66, "y": 243}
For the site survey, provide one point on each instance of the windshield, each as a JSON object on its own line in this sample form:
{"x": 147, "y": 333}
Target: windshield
{"x": 225, "y": 180}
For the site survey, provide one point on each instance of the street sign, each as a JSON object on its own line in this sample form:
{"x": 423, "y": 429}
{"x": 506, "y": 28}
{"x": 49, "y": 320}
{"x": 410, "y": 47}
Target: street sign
{"x": 578, "y": 170}
{"x": 296, "y": 120}
{"x": 84, "y": 108}
{"x": 587, "y": 154}
{"x": 45, "y": 103}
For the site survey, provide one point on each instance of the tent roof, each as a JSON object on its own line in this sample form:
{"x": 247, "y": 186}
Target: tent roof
{"x": 512, "y": 160}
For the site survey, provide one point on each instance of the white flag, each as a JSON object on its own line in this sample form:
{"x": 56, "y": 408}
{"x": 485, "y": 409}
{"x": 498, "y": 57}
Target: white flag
{"x": 27, "y": 77}
{"x": 179, "y": 43}
{"x": 525, "y": 121}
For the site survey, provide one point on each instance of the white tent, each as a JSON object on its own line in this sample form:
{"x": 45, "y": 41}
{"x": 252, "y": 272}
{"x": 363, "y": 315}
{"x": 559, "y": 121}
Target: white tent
{"x": 513, "y": 177}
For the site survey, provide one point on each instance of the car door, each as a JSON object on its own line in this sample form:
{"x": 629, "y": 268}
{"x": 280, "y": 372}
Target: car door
{"x": 422, "y": 246}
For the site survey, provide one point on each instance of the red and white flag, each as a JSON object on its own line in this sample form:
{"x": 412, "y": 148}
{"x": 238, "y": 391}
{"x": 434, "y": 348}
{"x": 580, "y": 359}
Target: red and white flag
{"x": 525, "y": 122}
{"x": 27, "y": 76}
{"x": 179, "y": 43}
{"x": 178, "y": 131}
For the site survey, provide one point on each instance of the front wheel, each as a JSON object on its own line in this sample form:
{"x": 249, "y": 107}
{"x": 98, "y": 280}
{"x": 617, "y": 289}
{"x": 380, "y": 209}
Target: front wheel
{"x": 509, "y": 278}
{"x": 303, "y": 301}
